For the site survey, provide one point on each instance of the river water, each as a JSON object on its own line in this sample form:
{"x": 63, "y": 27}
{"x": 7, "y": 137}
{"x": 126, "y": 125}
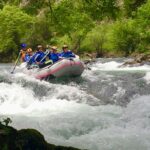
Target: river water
{"x": 107, "y": 108}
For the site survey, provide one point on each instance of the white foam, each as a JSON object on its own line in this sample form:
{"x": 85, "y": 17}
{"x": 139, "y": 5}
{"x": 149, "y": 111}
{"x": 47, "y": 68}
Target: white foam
{"x": 115, "y": 66}
{"x": 63, "y": 121}
{"x": 14, "y": 98}
{"x": 68, "y": 122}
{"x": 147, "y": 77}
{"x": 87, "y": 127}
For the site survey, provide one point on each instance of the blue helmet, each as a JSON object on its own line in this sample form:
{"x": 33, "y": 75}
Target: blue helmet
{"x": 23, "y": 45}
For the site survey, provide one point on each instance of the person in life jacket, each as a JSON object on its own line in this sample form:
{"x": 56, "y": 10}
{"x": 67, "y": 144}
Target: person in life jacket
{"x": 54, "y": 55}
{"x": 28, "y": 55}
{"x": 38, "y": 57}
{"x": 23, "y": 52}
{"x": 66, "y": 53}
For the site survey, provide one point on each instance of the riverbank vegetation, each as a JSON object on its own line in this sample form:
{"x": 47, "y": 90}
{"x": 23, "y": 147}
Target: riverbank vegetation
{"x": 104, "y": 27}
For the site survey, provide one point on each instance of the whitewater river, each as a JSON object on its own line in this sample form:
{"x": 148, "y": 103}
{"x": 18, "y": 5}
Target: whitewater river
{"x": 107, "y": 108}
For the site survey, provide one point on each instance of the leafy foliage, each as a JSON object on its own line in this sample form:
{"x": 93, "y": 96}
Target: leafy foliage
{"x": 97, "y": 38}
{"x": 100, "y": 26}
{"x": 14, "y": 28}
{"x": 125, "y": 38}
{"x": 132, "y": 5}
{"x": 100, "y": 9}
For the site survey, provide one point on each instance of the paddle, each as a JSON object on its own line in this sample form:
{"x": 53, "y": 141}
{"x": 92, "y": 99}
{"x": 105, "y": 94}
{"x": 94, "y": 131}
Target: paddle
{"x": 30, "y": 63}
{"x": 16, "y": 62}
{"x": 46, "y": 54}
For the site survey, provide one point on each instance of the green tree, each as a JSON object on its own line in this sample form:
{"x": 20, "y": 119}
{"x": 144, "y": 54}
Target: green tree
{"x": 101, "y": 9}
{"x": 40, "y": 33}
{"x": 131, "y": 6}
{"x": 96, "y": 39}
{"x": 72, "y": 21}
{"x": 142, "y": 25}
{"x": 7, "y": 2}
{"x": 125, "y": 37}
{"x": 15, "y": 26}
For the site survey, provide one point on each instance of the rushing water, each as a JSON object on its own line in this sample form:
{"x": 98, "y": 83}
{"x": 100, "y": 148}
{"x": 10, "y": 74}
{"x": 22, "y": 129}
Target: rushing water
{"x": 107, "y": 108}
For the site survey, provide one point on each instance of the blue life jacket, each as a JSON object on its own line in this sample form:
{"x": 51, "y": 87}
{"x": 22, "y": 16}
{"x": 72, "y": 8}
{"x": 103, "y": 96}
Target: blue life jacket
{"x": 31, "y": 60}
{"x": 67, "y": 54}
{"x": 38, "y": 56}
{"x": 54, "y": 57}
{"x": 27, "y": 57}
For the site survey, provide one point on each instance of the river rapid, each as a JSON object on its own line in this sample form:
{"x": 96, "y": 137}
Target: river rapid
{"x": 107, "y": 108}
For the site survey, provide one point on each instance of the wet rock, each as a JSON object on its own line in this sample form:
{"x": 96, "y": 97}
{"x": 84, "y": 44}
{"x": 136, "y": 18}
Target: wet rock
{"x": 90, "y": 55}
{"x": 89, "y": 61}
{"x": 139, "y": 60}
{"x": 25, "y": 139}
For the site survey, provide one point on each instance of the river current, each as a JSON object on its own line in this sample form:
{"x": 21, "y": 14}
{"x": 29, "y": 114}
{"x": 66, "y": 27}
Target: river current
{"x": 107, "y": 108}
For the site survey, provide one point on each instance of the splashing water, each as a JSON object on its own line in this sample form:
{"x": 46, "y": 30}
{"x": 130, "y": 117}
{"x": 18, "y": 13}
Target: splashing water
{"x": 107, "y": 108}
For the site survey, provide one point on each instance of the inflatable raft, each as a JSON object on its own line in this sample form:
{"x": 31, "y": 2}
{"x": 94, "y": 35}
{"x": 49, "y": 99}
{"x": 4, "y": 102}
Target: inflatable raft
{"x": 64, "y": 67}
